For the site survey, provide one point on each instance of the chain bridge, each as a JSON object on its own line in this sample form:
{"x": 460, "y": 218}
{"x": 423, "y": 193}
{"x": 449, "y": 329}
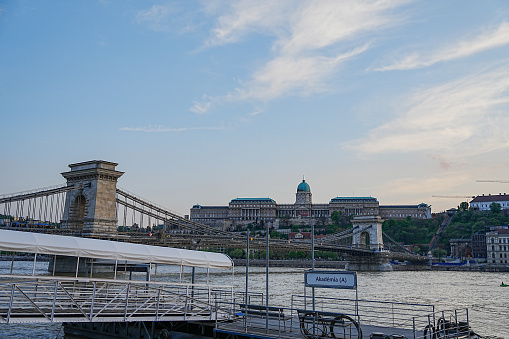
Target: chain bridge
{"x": 90, "y": 204}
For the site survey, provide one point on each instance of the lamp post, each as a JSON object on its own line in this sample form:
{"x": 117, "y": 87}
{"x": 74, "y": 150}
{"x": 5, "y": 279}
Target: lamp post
{"x": 313, "y": 258}
{"x": 267, "y": 279}
{"x": 195, "y": 243}
{"x": 312, "y": 269}
{"x": 246, "y": 300}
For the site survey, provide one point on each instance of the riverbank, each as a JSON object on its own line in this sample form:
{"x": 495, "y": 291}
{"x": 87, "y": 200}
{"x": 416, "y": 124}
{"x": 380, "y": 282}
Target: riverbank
{"x": 292, "y": 263}
{"x": 341, "y": 265}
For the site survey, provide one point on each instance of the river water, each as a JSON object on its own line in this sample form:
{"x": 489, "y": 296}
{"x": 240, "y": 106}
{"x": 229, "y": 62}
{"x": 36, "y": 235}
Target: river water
{"x": 480, "y": 292}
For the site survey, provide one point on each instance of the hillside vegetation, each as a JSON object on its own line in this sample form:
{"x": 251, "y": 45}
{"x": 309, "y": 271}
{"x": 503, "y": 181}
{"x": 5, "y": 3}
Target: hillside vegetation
{"x": 464, "y": 224}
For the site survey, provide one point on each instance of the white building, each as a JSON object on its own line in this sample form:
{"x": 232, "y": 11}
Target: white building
{"x": 483, "y": 202}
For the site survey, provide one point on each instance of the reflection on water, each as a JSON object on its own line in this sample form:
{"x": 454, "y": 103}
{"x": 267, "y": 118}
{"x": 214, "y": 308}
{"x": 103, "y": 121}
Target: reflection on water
{"x": 479, "y": 292}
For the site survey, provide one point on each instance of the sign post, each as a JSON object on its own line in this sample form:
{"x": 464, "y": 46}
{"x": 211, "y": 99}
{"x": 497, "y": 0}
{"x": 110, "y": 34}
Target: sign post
{"x": 333, "y": 279}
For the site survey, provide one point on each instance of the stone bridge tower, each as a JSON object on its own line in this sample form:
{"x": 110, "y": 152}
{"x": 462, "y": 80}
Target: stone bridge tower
{"x": 371, "y": 235}
{"x": 368, "y": 235}
{"x": 91, "y": 210}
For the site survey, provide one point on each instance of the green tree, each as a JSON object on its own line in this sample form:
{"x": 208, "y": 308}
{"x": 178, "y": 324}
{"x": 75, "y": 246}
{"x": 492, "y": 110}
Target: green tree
{"x": 332, "y": 229}
{"x": 278, "y": 235}
{"x": 439, "y": 252}
{"x": 495, "y": 208}
{"x": 237, "y": 253}
{"x": 296, "y": 255}
{"x": 336, "y": 217}
{"x": 463, "y": 206}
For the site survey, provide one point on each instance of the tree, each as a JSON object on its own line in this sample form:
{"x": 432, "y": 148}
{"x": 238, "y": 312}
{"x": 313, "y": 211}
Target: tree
{"x": 463, "y": 206}
{"x": 495, "y": 208}
{"x": 278, "y": 235}
{"x": 332, "y": 229}
{"x": 237, "y": 253}
{"x": 336, "y": 217}
{"x": 322, "y": 220}
{"x": 439, "y": 252}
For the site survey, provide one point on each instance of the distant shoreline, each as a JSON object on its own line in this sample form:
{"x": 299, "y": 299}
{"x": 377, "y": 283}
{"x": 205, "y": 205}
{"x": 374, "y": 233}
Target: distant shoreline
{"x": 342, "y": 264}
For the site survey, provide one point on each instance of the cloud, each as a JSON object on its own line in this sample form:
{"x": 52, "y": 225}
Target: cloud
{"x": 250, "y": 16}
{"x": 410, "y": 185}
{"x": 489, "y": 39}
{"x": 467, "y": 116}
{"x": 200, "y": 107}
{"x": 444, "y": 163}
{"x": 162, "y": 129}
{"x": 303, "y": 75}
{"x": 311, "y": 40}
{"x": 256, "y": 112}
{"x": 303, "y": 25}
{"x": 156, "y": 17}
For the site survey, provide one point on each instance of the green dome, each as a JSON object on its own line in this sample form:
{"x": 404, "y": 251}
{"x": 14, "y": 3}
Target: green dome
{"x": 303, "y": 187}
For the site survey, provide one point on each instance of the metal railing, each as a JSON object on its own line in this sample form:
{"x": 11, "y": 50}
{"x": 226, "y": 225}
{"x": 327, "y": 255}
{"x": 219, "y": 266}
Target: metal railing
{"x": 446, "y": 324}
{"x": 58, "y": 299}
{"x": 369, "y": 312}
{"x": 346, "y": 318}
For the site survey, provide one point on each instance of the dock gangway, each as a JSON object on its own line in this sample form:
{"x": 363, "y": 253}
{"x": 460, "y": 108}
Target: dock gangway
{"x": 29, "y": 298}
{"x": 59, "y": 299}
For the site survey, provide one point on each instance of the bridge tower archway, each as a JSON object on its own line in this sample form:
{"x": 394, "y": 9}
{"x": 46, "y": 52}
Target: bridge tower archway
{"x": 364, "y": 240}
{"x": 91, "y": 210}
{"x": 367, "y": 232}
{"x": 77, "y": 212}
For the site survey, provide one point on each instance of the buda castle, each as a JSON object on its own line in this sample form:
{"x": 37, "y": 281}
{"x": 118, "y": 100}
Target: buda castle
{"x": 243, "y": 211}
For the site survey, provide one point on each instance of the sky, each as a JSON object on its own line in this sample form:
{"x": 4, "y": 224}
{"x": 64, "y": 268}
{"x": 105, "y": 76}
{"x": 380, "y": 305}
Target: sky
{"x": 201, "y": 102}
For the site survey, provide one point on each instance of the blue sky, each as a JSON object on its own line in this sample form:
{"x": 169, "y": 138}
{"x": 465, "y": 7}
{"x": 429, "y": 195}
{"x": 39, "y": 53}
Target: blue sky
{"x": 206, "y": 101}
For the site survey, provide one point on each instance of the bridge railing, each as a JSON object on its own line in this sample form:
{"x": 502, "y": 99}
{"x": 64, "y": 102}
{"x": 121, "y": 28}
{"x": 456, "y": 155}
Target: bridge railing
{"x": 58, "y": 299}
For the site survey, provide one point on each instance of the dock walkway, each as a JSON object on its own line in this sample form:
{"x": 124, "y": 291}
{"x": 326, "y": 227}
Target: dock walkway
{"x": 256, "y": 329}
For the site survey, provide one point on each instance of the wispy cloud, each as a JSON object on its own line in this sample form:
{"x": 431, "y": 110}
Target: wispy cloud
{"x": 239, "y": 18}
{"x": 444, "y": 163}
{"x": 488, "y": 39}
{"x": 156, "y": 17}
{"x": 467, "y": 116}
{"x": 162, "y": 129}
{"x": 428, "y": 186}
{"x": 256, "y": 112}
{"x": 312, "y": 40}
{"x": 302, "y": 75}
{"x": 201, "y": 107}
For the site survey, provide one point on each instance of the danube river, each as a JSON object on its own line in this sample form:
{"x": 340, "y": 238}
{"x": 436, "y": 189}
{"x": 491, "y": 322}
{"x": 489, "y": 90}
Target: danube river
{"x": 480, "y": 292}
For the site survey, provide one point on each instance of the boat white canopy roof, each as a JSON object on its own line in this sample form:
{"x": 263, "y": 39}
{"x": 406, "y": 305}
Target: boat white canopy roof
{"x": 16, "y": 241}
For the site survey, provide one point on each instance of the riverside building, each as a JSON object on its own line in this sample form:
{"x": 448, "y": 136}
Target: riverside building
{"x": 497, "y": 242}
{"x": 241, "y": 212}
